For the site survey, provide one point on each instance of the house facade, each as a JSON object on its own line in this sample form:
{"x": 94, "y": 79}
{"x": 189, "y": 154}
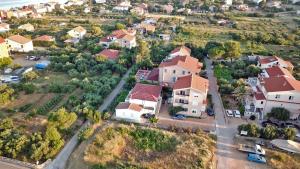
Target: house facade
{"x": 130, "y": 112}
{"x": 3, "y": 49}
{"x": 77, "y": 32}
{"x": 275, "y": 87}
{"x": 190, "y": 93}
{"x": 4, "y": 27}
{"x": 270, "y": 61}
{"x": 170, "y": 70}
{"x": 19, "y": 43}
{"x": 180, "y": 51}
{"x": 123, "y": 38}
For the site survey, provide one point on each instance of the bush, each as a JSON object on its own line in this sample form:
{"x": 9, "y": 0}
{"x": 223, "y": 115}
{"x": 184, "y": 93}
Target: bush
{"x": 174, "y": 110}
{"x": 29, "y": 88}
{"x": 26, "y": 107}
{"x": 49, "y": 105}
{"x": 84, "y": 134}
{"x": 269, "y": 132}
{"x": 148, "y": 139}
{"x": 289, "y": 133}
{"x": 252, "y": 129}
{"x": 279, "y": 113}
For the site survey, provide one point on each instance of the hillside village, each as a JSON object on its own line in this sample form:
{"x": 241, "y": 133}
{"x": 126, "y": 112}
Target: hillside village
{"x": 137, "y": 84}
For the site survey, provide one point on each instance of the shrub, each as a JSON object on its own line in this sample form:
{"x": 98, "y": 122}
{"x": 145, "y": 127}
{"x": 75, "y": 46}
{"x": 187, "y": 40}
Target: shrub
{"x": 174, "y": 110}
{"x": 252, "y": 129}
{"x": 49, "y": 105}
{"x": 25, "y": 107}
{"x": 289, "y": 133}
{"x": 29, "y": 88}
{"x": 30, "y": 75}
{"x": 148, "y": 139}
{"x": 269, "y": 132}
{"x": 279, "y": 113}
{"x": 84, "y": 134}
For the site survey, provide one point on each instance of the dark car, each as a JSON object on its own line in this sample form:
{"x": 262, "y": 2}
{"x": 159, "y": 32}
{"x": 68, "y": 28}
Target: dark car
{"x": 148, "y": 115}
{"x": 179, "y": 117}
{"x": 210, "y": 112}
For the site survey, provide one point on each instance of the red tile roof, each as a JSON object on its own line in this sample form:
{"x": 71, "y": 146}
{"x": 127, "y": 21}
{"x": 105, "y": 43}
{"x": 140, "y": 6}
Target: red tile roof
{"x": 192, "y": 81}
{"x": 183, "y": 49}
{"x": 278, "y": 71}
{"x": 105, "y": 39}
{"x": 130, "y": 106}
{"x": 282, "y": 83}
{"x": 145, "y": 92}
{"x": 259, "y": 96}
{"x": 110, "y": 54}
{"x": 267, "y": 60}
{"x": 187, "y": 62}
{"x": 2, "y": 40}
{"x": 44, "y": 38}
{"x": 154, "y": 74}
{"x": 19, "y": 39}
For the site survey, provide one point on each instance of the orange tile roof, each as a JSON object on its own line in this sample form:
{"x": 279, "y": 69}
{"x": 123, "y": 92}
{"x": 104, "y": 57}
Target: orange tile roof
{"x": 2, "y": 40}
{"x": 187, "y": 62}
{"x": 146, "y": 92}
{"x": 19, "y": 39}
{"x": 183, "y": 50}
{"x": 79, "y": 29}
{"x": 44, "y": 38}
{"x": 192, "y": 81}
{"x": 259, "y": 96}
{"x": 128, "y": 37}
{"x": 282, "y": 83}
{"x": 278, "y": 71}
{"x": 130, "y": 106}
{"x": 110, "y": 53}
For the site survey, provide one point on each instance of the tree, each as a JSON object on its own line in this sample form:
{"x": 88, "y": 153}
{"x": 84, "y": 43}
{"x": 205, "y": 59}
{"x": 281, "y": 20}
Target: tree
{"x": 30, "y": 75}
{"x": 5, "y": 62}
{"x": 252, "y": 129}
{"x": 6, "y": 93}
{"x": 269, "y": 132}
{"x": 6, "y": 123}
{"x": 289, "y": 133}
{"x": 55, "y": 141}
{"x": 279, "y": 113}
{"x": 85, "y": 133}
{"x": 101, "y": 58}
{"x": 62, "y": 119}
{"x": 120, "y": 26}
{"x": 232, "y": 50}
{"x": 97, "y": 30}
{"x": 216, "y": 52}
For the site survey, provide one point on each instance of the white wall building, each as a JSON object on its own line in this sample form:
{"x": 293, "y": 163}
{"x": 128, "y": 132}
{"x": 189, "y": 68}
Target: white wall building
{"x": 19, "y": 43}
{"x": 77, "y": 32}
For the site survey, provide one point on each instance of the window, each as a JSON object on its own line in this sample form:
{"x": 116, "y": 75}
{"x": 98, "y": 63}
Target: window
{"x": 262, "y": 102}
{"x": 182, "y": 92}
{"x": 291, "y": 97}
{"x": 196, "y": 96}
{"x": 183, "y": 72}
{"x": 277, "y": 96}
{"x": 174, "y": 71}
{"x": 194, "y": 111}
{"x": 181, "y": 101}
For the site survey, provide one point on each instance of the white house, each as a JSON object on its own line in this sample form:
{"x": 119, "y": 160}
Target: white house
{"x": 77, "y": 32}
{"x": 276, "y": 87}
{"x": 100, "y": 1}
{"x": 4, "y": 27}
{"x": 19, "y": 43}
{"x": 129, "y": 112}
{"x": 123, "y": 6}
{"x": 123, "y": 38}
{"x": 142, "y": 99}
{"x": 270, "y": 61}
{"x": 28, "y": 27}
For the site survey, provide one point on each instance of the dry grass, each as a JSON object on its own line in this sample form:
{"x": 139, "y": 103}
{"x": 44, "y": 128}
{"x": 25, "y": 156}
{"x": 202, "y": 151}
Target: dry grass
{"x": 280, "y": 160}
{"x": 115, "y": 147}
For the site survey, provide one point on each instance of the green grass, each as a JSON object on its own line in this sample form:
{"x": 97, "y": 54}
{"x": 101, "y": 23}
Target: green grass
{"x": 221, "y": 71}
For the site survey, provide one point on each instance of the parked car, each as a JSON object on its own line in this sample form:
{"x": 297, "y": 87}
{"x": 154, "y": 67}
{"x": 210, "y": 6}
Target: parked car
{"x": 148, "y": 115}
{"x": 210, "y": 112}
{"x": 256, "y": 158}
{"x": 33, "y": 58}
{"x": 179, "y": 117}
{"x": 236, "y": 113}
{"x": 229, "y": 113}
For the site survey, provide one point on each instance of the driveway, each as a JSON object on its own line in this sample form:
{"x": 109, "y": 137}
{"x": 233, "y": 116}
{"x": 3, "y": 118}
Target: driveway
{"x": 228, "y": 157}
{"x": 165, "y": 121}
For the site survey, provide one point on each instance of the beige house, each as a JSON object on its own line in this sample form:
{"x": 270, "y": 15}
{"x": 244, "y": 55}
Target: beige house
{"x": 275, "y": 87}
{"x": 180, "y": 51}
{"x": 123, "y": 38}
{"x": 170, "y": 70}
{"x": 190, "y": 92}
{"x": 270, "y": 61}
{"x": 18, "y": 43}
{"x": 77, "y": 32}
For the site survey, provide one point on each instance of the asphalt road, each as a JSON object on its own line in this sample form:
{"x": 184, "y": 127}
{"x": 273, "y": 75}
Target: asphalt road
{"x": 228, "y": 157}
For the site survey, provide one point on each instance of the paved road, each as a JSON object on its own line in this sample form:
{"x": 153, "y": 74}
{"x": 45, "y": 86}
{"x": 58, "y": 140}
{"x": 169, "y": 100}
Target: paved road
{"x": 62, "y": 158}
{"x": 227, "y": 155}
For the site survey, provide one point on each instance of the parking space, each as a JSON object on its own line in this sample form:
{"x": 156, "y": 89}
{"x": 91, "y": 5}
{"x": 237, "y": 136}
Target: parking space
{"x": 21, "y": 60}
{"x": 206, "y": 123}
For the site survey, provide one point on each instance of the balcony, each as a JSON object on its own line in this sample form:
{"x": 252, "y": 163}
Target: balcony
{"x": 181, "y": 101}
